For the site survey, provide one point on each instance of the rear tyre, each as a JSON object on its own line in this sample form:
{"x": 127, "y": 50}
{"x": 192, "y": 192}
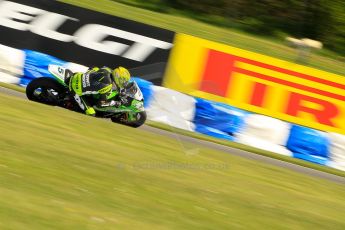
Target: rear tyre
{"x": 45, "y": 90}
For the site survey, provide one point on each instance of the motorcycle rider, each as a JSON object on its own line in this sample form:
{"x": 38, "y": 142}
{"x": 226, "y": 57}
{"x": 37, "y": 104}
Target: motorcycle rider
{"x": 98, "y": 81}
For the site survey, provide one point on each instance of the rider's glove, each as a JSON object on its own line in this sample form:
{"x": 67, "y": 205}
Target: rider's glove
{"x": 123, "y": 100}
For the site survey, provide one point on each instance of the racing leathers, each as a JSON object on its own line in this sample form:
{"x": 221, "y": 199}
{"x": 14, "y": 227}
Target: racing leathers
{"x": 96, "y": 82}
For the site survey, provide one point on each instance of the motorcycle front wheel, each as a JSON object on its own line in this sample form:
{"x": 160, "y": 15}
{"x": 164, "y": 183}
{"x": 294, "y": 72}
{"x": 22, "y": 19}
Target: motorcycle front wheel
{"x": 140, "y": 120}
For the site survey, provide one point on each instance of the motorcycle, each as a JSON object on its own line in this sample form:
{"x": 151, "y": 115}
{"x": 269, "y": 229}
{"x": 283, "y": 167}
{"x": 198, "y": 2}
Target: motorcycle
{"x": 54, "y": 91}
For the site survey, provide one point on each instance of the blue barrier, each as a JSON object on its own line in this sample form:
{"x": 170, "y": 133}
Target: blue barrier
{"x": 308, "y": 144}
{"x": 222, "y": 117}
{"x": 213, "y": 132}
{"x": 36, "y": 65}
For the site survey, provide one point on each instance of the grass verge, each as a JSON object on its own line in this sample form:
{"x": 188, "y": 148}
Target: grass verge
{"x": 248, "y": 149}
{"x": 13, "y": 87}
{"x": 64, "y": 170}
{"x": 182, "y": 24}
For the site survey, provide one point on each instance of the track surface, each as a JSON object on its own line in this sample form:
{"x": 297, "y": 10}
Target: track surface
{"x": 181, "y": 139}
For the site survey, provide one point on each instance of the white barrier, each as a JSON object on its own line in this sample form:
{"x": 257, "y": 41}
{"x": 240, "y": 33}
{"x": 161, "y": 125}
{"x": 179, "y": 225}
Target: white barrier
{"x": 262, "y": 144}
{"x": 159, "y": 115}
{"x": 337, "y": 150}
{"x": 267, "y": 128}
{"x": 265, "y": 133}
{"x": 171, "y": 107}
{"x": 174, "y": 102}
{"x": 11, "y": 64}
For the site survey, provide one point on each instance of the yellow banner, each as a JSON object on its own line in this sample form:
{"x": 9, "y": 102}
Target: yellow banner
{"x": 257, "y": 83}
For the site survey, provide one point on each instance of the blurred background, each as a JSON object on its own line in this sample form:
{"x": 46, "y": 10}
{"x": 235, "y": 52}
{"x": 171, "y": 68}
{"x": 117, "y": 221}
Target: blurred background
{"x": 321, "y": 20}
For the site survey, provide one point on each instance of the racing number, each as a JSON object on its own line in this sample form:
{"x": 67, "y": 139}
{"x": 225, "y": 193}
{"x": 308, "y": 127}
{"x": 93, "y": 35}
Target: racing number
{"x": 60, "y": 70}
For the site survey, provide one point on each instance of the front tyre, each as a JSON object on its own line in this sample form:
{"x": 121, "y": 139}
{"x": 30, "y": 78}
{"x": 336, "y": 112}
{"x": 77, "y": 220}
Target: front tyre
{"x": 45, "y": 90}
{"x": 140, "y": 120}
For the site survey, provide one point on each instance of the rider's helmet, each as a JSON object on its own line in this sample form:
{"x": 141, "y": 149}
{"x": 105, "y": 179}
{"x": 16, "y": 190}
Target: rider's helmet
{"x": 121, "y": 77}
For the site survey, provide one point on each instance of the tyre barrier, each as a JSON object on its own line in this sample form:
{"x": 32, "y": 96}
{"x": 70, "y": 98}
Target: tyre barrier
{"x": 265, "y": 133}
{"x": 198, "y": 115}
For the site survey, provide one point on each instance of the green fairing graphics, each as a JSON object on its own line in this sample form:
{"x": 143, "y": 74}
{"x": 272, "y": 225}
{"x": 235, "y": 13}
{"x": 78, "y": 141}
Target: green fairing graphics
{"x": 112, "y": 95}
{"x": 76, "y": 84}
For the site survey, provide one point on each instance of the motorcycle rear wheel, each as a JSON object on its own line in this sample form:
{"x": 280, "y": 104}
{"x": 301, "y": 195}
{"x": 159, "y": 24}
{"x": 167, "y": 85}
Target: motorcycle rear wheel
{"x": 45, "y": 90}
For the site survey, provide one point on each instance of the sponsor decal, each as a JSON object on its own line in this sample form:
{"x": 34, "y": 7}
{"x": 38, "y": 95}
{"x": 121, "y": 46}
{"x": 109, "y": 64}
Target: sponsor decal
{"x": 92, "y": 36}
{"x": 257, "y": 83}
{"x": 86, "y": 80}
{"x": 77, "y": 83}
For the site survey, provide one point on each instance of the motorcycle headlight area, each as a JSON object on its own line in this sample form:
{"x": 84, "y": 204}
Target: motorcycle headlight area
{"x": 139, "y": 106}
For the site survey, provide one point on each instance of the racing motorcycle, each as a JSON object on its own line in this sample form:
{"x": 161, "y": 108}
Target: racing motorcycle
{"x": 54, "y": 91}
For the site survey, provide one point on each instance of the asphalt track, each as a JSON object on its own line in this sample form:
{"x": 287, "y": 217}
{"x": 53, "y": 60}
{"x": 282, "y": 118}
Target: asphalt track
{"x": 252, "y": 156}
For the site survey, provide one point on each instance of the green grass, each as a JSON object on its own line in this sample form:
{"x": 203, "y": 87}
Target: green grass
{"x": 248, "y": 149}
{"x": 13, "y": 87}
{"x": 267, "y": 46}
{"x": 64, "y": 170}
